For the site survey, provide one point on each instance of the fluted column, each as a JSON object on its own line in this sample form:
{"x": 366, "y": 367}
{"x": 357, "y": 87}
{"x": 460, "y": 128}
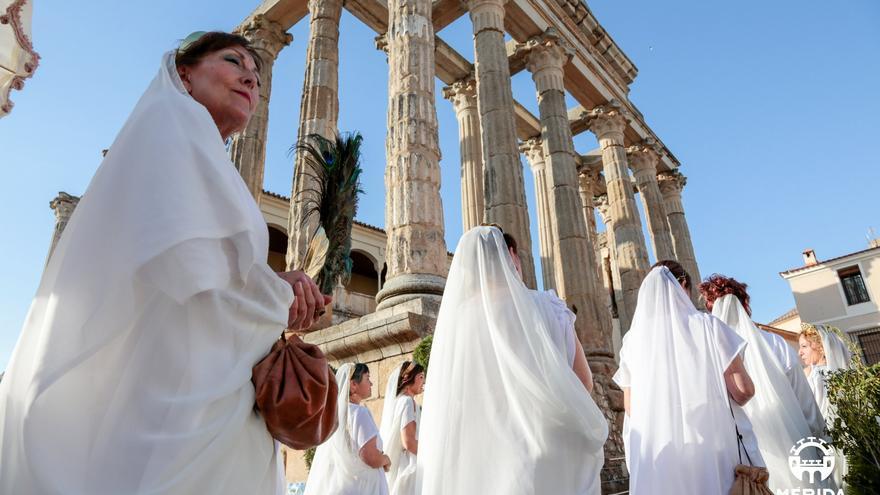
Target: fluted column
{"x": 463, "y": 95}
{"x": 416, "y": 249}
{"x": 63, "y": 206}
{"x": 643, "y": 160}
{"x": 671, "y": 184}
{"x": 608, "y": 123}
{"x": 611, "y": 277}
{"x": 248, "y": 149}
{"x": 588, "y": 180}
{"x": 319, "y": 111}
{"x": 502, "y": 171}
{"x": 534, "y": 151}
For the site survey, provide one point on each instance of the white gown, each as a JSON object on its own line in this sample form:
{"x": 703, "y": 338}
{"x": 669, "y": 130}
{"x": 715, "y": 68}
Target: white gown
{"x": 794, "y": 371}
{"x": 132, "y": 373}
{"x": 402, "y": 474}
{"x": 503, "y": 412}
{"x": 681, "y": 434}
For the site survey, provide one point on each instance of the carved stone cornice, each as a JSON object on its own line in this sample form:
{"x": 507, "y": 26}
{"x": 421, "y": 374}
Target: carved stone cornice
{"x": 265, "y": 35}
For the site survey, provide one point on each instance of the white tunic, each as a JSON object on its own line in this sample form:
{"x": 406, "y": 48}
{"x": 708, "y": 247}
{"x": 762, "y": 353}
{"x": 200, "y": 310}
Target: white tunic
{"x": 794, "y": 371}
{"x": 363, "y": 429}
{"x": 402, "y": 475}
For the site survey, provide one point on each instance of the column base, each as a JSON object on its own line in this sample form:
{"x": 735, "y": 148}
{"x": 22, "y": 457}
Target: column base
{"x": 405, "y": 287}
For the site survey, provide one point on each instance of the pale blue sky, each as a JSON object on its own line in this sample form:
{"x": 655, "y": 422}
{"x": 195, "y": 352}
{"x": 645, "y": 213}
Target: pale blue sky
{"x": 771, "y": 108}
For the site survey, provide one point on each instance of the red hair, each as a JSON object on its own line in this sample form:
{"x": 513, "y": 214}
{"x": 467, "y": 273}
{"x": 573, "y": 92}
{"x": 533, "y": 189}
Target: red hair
{"x": 717, "y": 286}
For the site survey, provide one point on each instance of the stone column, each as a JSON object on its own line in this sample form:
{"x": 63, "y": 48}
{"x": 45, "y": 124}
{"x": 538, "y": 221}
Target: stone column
{"x": 671, "y": 185}
{"x": 588, "y": 179}
{"x": 416, "y": 249}
{"x": 248, "y": 149}
{"x": 63, "y": 206}
{"x": 319, "y": 111}
{"x": 608, "y": 123}
{"x": 463, "y": 95}
{"x": 643, "y": 162}
{"x": 503, "y": 186}
{"x": 534, "y": 151}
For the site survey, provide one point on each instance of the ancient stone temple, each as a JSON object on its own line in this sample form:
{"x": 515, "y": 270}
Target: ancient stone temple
{"x": 399, "y": 270}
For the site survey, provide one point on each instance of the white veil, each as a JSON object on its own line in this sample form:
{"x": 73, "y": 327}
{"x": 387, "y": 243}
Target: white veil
{"x": 503, "y": 410}
{"x": 682, "y": 437}
{"x": 837, "y": 354}
{"x": 337, "y": 468}
{"x": 392, "y": 411}
{"x": 775, "y": 412}
{"x": 132, "y": 372}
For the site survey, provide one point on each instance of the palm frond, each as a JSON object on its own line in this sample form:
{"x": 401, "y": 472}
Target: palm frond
{"x": 334, "y": 168}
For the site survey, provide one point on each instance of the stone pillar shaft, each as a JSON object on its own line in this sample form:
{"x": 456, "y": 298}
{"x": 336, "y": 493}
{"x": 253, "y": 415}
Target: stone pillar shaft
{"x": 248, "y": 149}
{"x": 671, "y": 184}
{"x": 587, "y": 182}
{"x": 502, "y": 173}
{"x": 534, "y": 151}
{"x": 416, "y": 249}
{"x": 608, "y": 123}
{"x": 63, "y": 206}
{"x": 463, "y": 95}
{"x": 643, "y": 162}
{"x": 319, "y": 111}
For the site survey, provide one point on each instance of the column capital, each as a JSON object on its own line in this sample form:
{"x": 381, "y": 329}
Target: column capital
{"x": 381, "y": 42}
{"x": 605, "y": 120}
{"x": 589, "y": 174}
{"x": 601, "y": 204}
{"x": 671, "y": 182}
{"x": 643, "y": 157}
{"x": 265, "y": 35}
{"x": 486, "y": 15}
{"x": 63, "y": 205}
{"x": 462, "y": 93}
{"x": 546, "y": 52}
{"x": 534, "y": 151}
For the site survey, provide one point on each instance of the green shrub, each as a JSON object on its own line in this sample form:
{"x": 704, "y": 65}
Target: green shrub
{"x": 422, "y": 352}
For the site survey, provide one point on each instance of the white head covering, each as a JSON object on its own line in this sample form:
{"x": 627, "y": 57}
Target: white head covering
{"x": 682, "y": 437}
{"x": 503, "y": 410}
{"x": 401, "y": 474}
{"x": 837, "y": 354}
{"x": 337, "y": 468}
{"x": 132, "y": 372}
{"x": 390, "y": 427}
{"x": 775, "y": 412}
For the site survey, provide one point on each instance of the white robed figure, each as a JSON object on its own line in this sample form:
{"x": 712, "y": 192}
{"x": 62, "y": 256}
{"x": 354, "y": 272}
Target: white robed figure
{"x": 675, "y": 364}
{"x": 400, "y": 418}
{"x": 504, "y": 413}
{"x": 775, "y": 411}
{"x": 338, "y": 467}
{"x": 132, "y": 373}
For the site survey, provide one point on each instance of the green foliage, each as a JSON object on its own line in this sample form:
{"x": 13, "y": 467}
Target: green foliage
{"x": 422, "y": 352}
{"x": 334, "y": 167}
{"x": 855, "y": 397}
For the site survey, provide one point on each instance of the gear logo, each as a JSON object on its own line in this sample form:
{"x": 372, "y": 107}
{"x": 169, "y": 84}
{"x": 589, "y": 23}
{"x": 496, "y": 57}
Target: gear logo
{"x": 823, "y": 465}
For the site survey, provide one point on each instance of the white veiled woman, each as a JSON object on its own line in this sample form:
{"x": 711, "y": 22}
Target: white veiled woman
{"x": 677, "y": 367}
{"x": 504, "y": 412}
{"x": 775, "y": 412}
{"x": 400, "y": 426}
{"x": 132, "y": 373}
{"x": 351, "y": 461}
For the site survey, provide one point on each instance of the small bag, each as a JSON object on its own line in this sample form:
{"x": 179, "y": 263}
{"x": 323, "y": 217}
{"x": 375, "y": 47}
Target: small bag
{"x": 747, "y": 480}
{"x": 296, "y": 393}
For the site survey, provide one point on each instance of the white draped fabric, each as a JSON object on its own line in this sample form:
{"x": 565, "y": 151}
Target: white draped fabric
{"x": 794, "y": 372}
{"x": 337, "y": 468}
{"x": 398, "y": 411}
{"x": 774, "y": 411}
{"x": 503, "y": 411}
{"x": 681, "y": 434}
{"x": 132, "y": 373}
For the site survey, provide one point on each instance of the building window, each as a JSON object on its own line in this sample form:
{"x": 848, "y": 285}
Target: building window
{"x": 853, "y": 285}
{"x": 869, "y": 340}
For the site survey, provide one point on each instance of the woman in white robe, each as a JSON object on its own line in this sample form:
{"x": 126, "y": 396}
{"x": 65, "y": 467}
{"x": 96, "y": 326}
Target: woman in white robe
{"x": 678, "y": 366}
{"x": 774, "y": 412}
{"x": 351, "y": 461}
{"x": 400, "y": 426}
{"x": 132, "y": 373}
{"x": 506, "y": 413}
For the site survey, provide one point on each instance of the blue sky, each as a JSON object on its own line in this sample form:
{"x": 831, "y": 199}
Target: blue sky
{"x": 771, "y": 108}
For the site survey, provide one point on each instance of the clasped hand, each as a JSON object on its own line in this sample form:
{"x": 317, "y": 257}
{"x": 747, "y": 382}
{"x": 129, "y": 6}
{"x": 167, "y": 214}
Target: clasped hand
{"x": 308, "y": 301}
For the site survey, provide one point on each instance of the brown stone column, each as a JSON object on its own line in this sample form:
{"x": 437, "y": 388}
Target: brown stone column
{"x": 63, "y": 206}
{"x": 534, "y": 151}
{"x": 671, "y": 184}
{"x": 608, "y": 123}
{"x": 643, "y": 162}
{"x": 248, "y": 149}
{"x": 502, "y": 171}
{"x": 319, "y": 111}
{"x": 416, "y": 249}
{"x": 588, "y": 180}
{"x": 463, "y": 95}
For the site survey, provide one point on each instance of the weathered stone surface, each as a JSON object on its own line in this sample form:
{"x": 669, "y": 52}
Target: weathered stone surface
{"x": 63, "y": 206}
{"x": 643, "y": 160}
{"x": 463, "y": 95}
{"x": 671, "y": 184}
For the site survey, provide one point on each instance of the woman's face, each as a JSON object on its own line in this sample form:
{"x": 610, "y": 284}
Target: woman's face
{"x": 809, "y": 353}
{"x": 418, "y": 385}
{"x": 364, "y": 389}
{"x": 227, "y": 84}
